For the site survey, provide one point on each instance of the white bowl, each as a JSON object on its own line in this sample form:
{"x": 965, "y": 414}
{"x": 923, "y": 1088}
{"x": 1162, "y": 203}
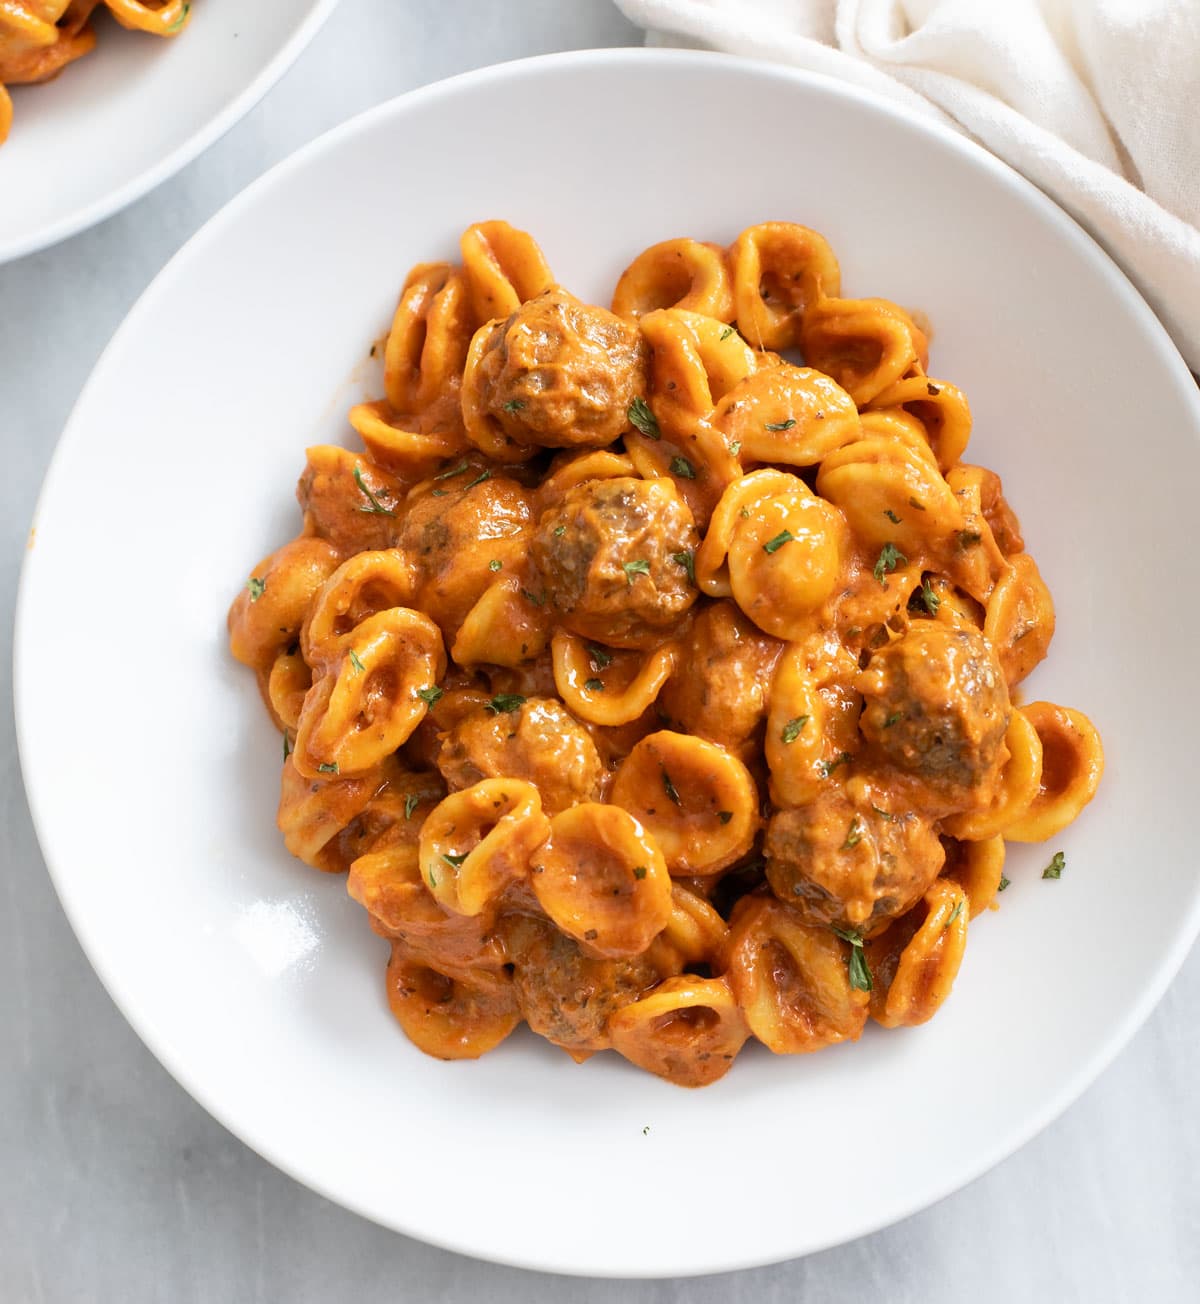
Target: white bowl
{"x": 152, "y": 771}
{"x": 137, "y": 109}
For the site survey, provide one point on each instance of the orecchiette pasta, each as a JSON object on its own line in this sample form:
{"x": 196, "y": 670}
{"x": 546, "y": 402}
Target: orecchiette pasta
{"x": 652, "y": 688}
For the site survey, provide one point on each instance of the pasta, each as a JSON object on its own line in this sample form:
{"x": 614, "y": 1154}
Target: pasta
{"x": 652, "y": 685}
{"x": 38, "y": 38}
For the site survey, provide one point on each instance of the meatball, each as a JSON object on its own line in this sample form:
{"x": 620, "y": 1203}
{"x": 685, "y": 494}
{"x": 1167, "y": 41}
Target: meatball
{"x": 850, "y": 865}
{"x": 562, "y": 374}
{"x": 452, "y": 536}
{"x": 936, "y": 706}
{"x": 563, "y": 993}
{"x": 349, "y": 500}
{"x": 541, "y": 742}
{"x": 612, "y": 555}
{"x": 720, "y": 689}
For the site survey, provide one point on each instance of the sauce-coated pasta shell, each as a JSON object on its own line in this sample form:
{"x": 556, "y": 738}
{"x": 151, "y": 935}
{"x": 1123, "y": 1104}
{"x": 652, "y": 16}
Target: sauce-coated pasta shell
{"x": 785, "y": 414}
{"x": 697, "y": 801}
{"x": 1020, "y": 618}
{"x": 978, "y": 868}
{"x": 504, "y": 268}
{"x": 942, "y": 410}
{"x": 366, "y": 584}
{"x": 428, "y": 340}
{"x": 1018, "y": 785}
{"x": 608, "y": 687}
{"x": 791, "y": 979}
{"x": 866, "y": 345}
{"x": 1072, "y": 765}
{"x": 687, "y": 1030}
{"x": 601, "y": 878}
{"x": 367, "y": 703}
{"x": 267, "y": 614}
{"x": 314, "y": 811}
{"x": 477, "y": 841}
{"x": 913, "y": 970}
{"x": 450, "y": 1016}
{"x": 780, "y": 270}
{"x": 681, "y": 273}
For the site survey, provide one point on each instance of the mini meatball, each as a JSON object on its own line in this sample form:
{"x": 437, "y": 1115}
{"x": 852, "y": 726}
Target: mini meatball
{"x": 453, "y": 540}
{"x": 349, "y": 500}
{"x": 562, "y": 374}
{"x": 936, "y": 706}
{"x": 609, "y": 555}
{"x": 850, "y": 866}
{"x": 720, "y": 689}
{"x": 564, "y": 994}
{"x": 540, "y": 742}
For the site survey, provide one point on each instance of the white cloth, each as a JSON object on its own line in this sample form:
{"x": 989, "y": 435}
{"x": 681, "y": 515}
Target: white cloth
{"x": 1097, "y": 102}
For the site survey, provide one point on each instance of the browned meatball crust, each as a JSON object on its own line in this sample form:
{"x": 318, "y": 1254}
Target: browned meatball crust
{"x": 855, "y": 867}
{"x": 541, "y": 742}
{"x": 561, "y": 374}
{"x": 564, "y": 994}
{"x": 935, "y": 705}
{"x": 612, "y": 558}
{"x": 724, "y": 677}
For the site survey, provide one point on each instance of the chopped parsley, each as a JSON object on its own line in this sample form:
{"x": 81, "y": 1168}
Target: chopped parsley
{"x": 1004, "y": 882}
{"x": 411, "y": 802}
{"x": 287, "y": 746}
{"x": 828, "y": 767}
{"x": 514, "y": 405}
{"x": 495, "y": 564}
{"x": 559, "y": 531}
{"x": 356, "y": 663}
{"x": 538, "y": 599}
{"x": 600, "y": 658}
{"x": 688, "y": 561}
{"x": 682, "y": 467}
{"x": 889, "y": 558}
{"x": 1056, "y": 866}
{"x": 969, "y": 538}
{"x": 791, "y": 730}
{"x": 954, "y": 914}
{"x": 669, "y": 788}
{"x": 931, "y": 388}
{"x": 594, "y": 685}
{"x": 773, "y": 545}
{"x": 639, "y": 871}
{"x": 375, "y": 507}
{"x": 485, "y": 474}
{"x": 429, "y": 695}
{"x": 891, "y": 515}
{"x": 883, "y": 814}
{"x": 454, "y": 861}
{"x": 781, "y": 425}
{"x": 329, "y": 768}
{"x": 643, "y": 419}
{"x": 894, "y": 718}
{"x": 506, "y": 702}
{"x": 725, "y": 334}
{"x": 176, "y": 26}
{"x": 724, "y": 816}
{"x": 920, "y": 506}
{"x": 734, "y": 446}
{"x": 256, "y": 588}
{"x": 853, "y": 834}
{"x": 860, "y": 971}
{"x": 929, "y": 597}
{"x": 454, "y": 470}
{"x": 632, "y": 568}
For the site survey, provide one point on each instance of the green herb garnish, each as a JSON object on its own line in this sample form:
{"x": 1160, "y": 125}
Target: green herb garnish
{"x": 329, "y": 768}
{"x": 256, "y": 588}
{"x": 773, "y": 545}
{"x": 640, "y": 415}
{"x": 781, "y": 425}
{"x": 1056, "y": 866}
{"x": 682, "y": 467}
{"x": 929, "y": 597}
{"x": 495, "y": 564}
{"x": 600, "y": 658}
{"x": 376, "y": 508}
{"x": 506, "y": 702}
{"x": 853, "y": 834}
{"x": 891, "y": 515}
{"x": 632, "y": 568}
{"x": 669, "y": 788}
{"x": 791, "y": 730}
{"x": 356, "y": 663}
{"x": 828, "y": 767}
{"x": 594, "y": 685}
{"x": 889, "y": 558}
{"x": 724, "y": 816}
{"x": 429, "y": 695}
{"x": 860, "y": 971}
{"x": 688, "y": 561}
{"x": 514, "y": 405}
{"x": 454, "y": 470}
{"x": 411, "y": 802}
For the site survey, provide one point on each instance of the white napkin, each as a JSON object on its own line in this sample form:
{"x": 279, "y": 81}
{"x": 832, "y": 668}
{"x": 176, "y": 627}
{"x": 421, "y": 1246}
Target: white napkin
{"x": 1097, "y": 102}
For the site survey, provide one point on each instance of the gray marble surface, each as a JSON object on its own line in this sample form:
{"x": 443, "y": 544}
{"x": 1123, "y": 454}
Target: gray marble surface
{"x": 116, "y": 1186}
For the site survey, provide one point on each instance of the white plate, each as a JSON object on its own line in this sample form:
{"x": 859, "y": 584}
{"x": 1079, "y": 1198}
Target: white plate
{"x": 137, "y": 109}
{"x": 152, "y": 772}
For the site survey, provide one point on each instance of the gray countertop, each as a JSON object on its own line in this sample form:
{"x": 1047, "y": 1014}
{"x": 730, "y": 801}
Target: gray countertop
{"x": 116, "y": 1186}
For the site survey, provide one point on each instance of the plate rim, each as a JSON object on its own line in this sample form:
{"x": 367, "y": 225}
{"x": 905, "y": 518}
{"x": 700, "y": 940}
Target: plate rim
{"x": 953, "y": 1179}
{"x": 190, "y": 149}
